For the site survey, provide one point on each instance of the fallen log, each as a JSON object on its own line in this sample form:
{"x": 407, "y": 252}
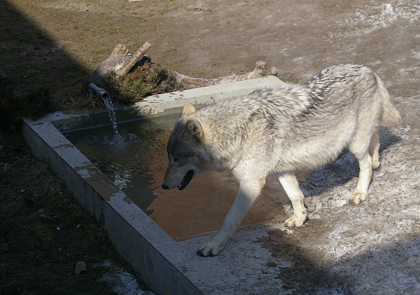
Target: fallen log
{"x": 117, "y": 64}
{"x": 261, "y": 69}
{"x": 136, "y": 57}
{"x": 120, "y": 62}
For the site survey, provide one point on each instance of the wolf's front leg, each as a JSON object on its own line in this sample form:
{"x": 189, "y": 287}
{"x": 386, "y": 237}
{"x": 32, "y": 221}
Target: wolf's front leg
{"x": 291, "y": 187}
{"x": 248, "y": 192}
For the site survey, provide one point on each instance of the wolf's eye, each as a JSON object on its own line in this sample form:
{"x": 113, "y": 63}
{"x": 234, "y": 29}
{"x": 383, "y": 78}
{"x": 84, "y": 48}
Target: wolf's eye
{"x": 176, "y": 159}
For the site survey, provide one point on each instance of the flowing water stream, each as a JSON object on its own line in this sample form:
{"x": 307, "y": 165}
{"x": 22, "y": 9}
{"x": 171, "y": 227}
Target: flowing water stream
{"x": 106, "y": 98}
{"x": 111, "y": 112}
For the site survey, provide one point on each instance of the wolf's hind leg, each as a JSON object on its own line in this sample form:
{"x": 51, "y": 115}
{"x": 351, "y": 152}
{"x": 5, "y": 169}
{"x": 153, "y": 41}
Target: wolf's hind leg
{"x": 291, "y": 187}
{"x": 374, "y": 150}
{"x": 248, "y": 192}
{"x": 365, "y": 176}
{"x": 364, "y": 146}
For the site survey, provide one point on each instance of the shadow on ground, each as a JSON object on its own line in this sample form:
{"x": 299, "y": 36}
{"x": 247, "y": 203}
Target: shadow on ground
{"x": 44, "y": 232}
{"x": 31, "y": 59}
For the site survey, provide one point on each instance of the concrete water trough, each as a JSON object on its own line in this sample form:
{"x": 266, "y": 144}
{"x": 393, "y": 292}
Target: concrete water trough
{"x": 167, "y": 265}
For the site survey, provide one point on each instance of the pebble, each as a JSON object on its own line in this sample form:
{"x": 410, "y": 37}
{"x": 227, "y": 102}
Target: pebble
{"x": 80, "y": 267}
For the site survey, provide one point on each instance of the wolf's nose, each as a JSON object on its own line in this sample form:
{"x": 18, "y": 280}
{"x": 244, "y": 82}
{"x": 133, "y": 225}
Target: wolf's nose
{"x": 165, "y": 186}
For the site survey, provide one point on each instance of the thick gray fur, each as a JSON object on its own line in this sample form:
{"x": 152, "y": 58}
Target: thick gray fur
{"x": 282, "y": 131}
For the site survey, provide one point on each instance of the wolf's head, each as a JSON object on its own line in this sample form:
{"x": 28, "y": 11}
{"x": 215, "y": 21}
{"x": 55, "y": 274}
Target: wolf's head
{"x": 187, "y": 154}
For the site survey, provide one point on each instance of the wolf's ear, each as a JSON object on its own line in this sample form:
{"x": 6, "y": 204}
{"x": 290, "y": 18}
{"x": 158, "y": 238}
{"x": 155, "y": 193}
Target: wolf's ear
{"x": 194, "y": 128}
{"x": 189, "y": 109}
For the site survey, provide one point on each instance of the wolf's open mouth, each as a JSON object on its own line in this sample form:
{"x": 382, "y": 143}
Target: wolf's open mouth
{"x": 186, "y": 180}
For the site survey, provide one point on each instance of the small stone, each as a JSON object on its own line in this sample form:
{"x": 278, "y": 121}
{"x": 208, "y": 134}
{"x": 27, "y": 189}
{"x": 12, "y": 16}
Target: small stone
{"x": 78, "y": 226}
{"x": 80, "y": 267}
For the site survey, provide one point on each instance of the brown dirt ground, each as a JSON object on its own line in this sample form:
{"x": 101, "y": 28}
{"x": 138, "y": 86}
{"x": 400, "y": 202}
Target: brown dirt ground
{"x": 49, "y": 48}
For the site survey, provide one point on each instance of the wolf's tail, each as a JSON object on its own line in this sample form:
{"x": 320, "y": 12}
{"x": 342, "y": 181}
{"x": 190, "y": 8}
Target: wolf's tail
{"x": 389, "y": 115}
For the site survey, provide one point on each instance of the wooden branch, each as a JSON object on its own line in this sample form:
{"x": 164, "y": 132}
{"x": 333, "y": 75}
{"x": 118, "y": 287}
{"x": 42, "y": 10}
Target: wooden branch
{"x": 119, "y": 49}
{"x": 186, "y": 82}
{"x": 136, "y": 57}
{"x": 119, "y": 63}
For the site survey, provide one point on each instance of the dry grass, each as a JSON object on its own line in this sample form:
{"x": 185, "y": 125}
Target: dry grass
{"x": 149, "y": 79}
{"x": 33, "y": 104}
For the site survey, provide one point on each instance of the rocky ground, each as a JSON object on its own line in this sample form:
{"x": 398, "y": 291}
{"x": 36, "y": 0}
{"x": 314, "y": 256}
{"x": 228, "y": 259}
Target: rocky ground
{"x": 49, "y": 48}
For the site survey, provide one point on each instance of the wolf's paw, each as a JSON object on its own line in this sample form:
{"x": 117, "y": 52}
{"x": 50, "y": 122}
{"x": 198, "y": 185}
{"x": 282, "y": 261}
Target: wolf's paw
{"x": 357, "y": 197}
{"x": 210, "y": 250}
{"x": 295, "y": 221}
{"x": 376, "y": 164}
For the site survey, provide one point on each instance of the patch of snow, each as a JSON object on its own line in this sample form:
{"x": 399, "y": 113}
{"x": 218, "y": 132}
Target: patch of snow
{"x": 376, "y": 17}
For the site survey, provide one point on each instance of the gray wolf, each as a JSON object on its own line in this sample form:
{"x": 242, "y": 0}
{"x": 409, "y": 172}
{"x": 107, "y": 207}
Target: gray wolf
{"x": 282, "y": 130}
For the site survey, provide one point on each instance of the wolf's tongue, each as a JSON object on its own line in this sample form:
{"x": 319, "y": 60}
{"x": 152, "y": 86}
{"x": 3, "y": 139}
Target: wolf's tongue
{"x": 186, "y": 180}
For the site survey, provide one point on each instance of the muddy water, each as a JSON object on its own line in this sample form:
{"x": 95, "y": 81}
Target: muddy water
{"x": 135, "y": 160}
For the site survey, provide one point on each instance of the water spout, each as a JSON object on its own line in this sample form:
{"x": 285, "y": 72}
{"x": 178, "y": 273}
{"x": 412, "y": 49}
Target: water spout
{"x": 106, "y": 98}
